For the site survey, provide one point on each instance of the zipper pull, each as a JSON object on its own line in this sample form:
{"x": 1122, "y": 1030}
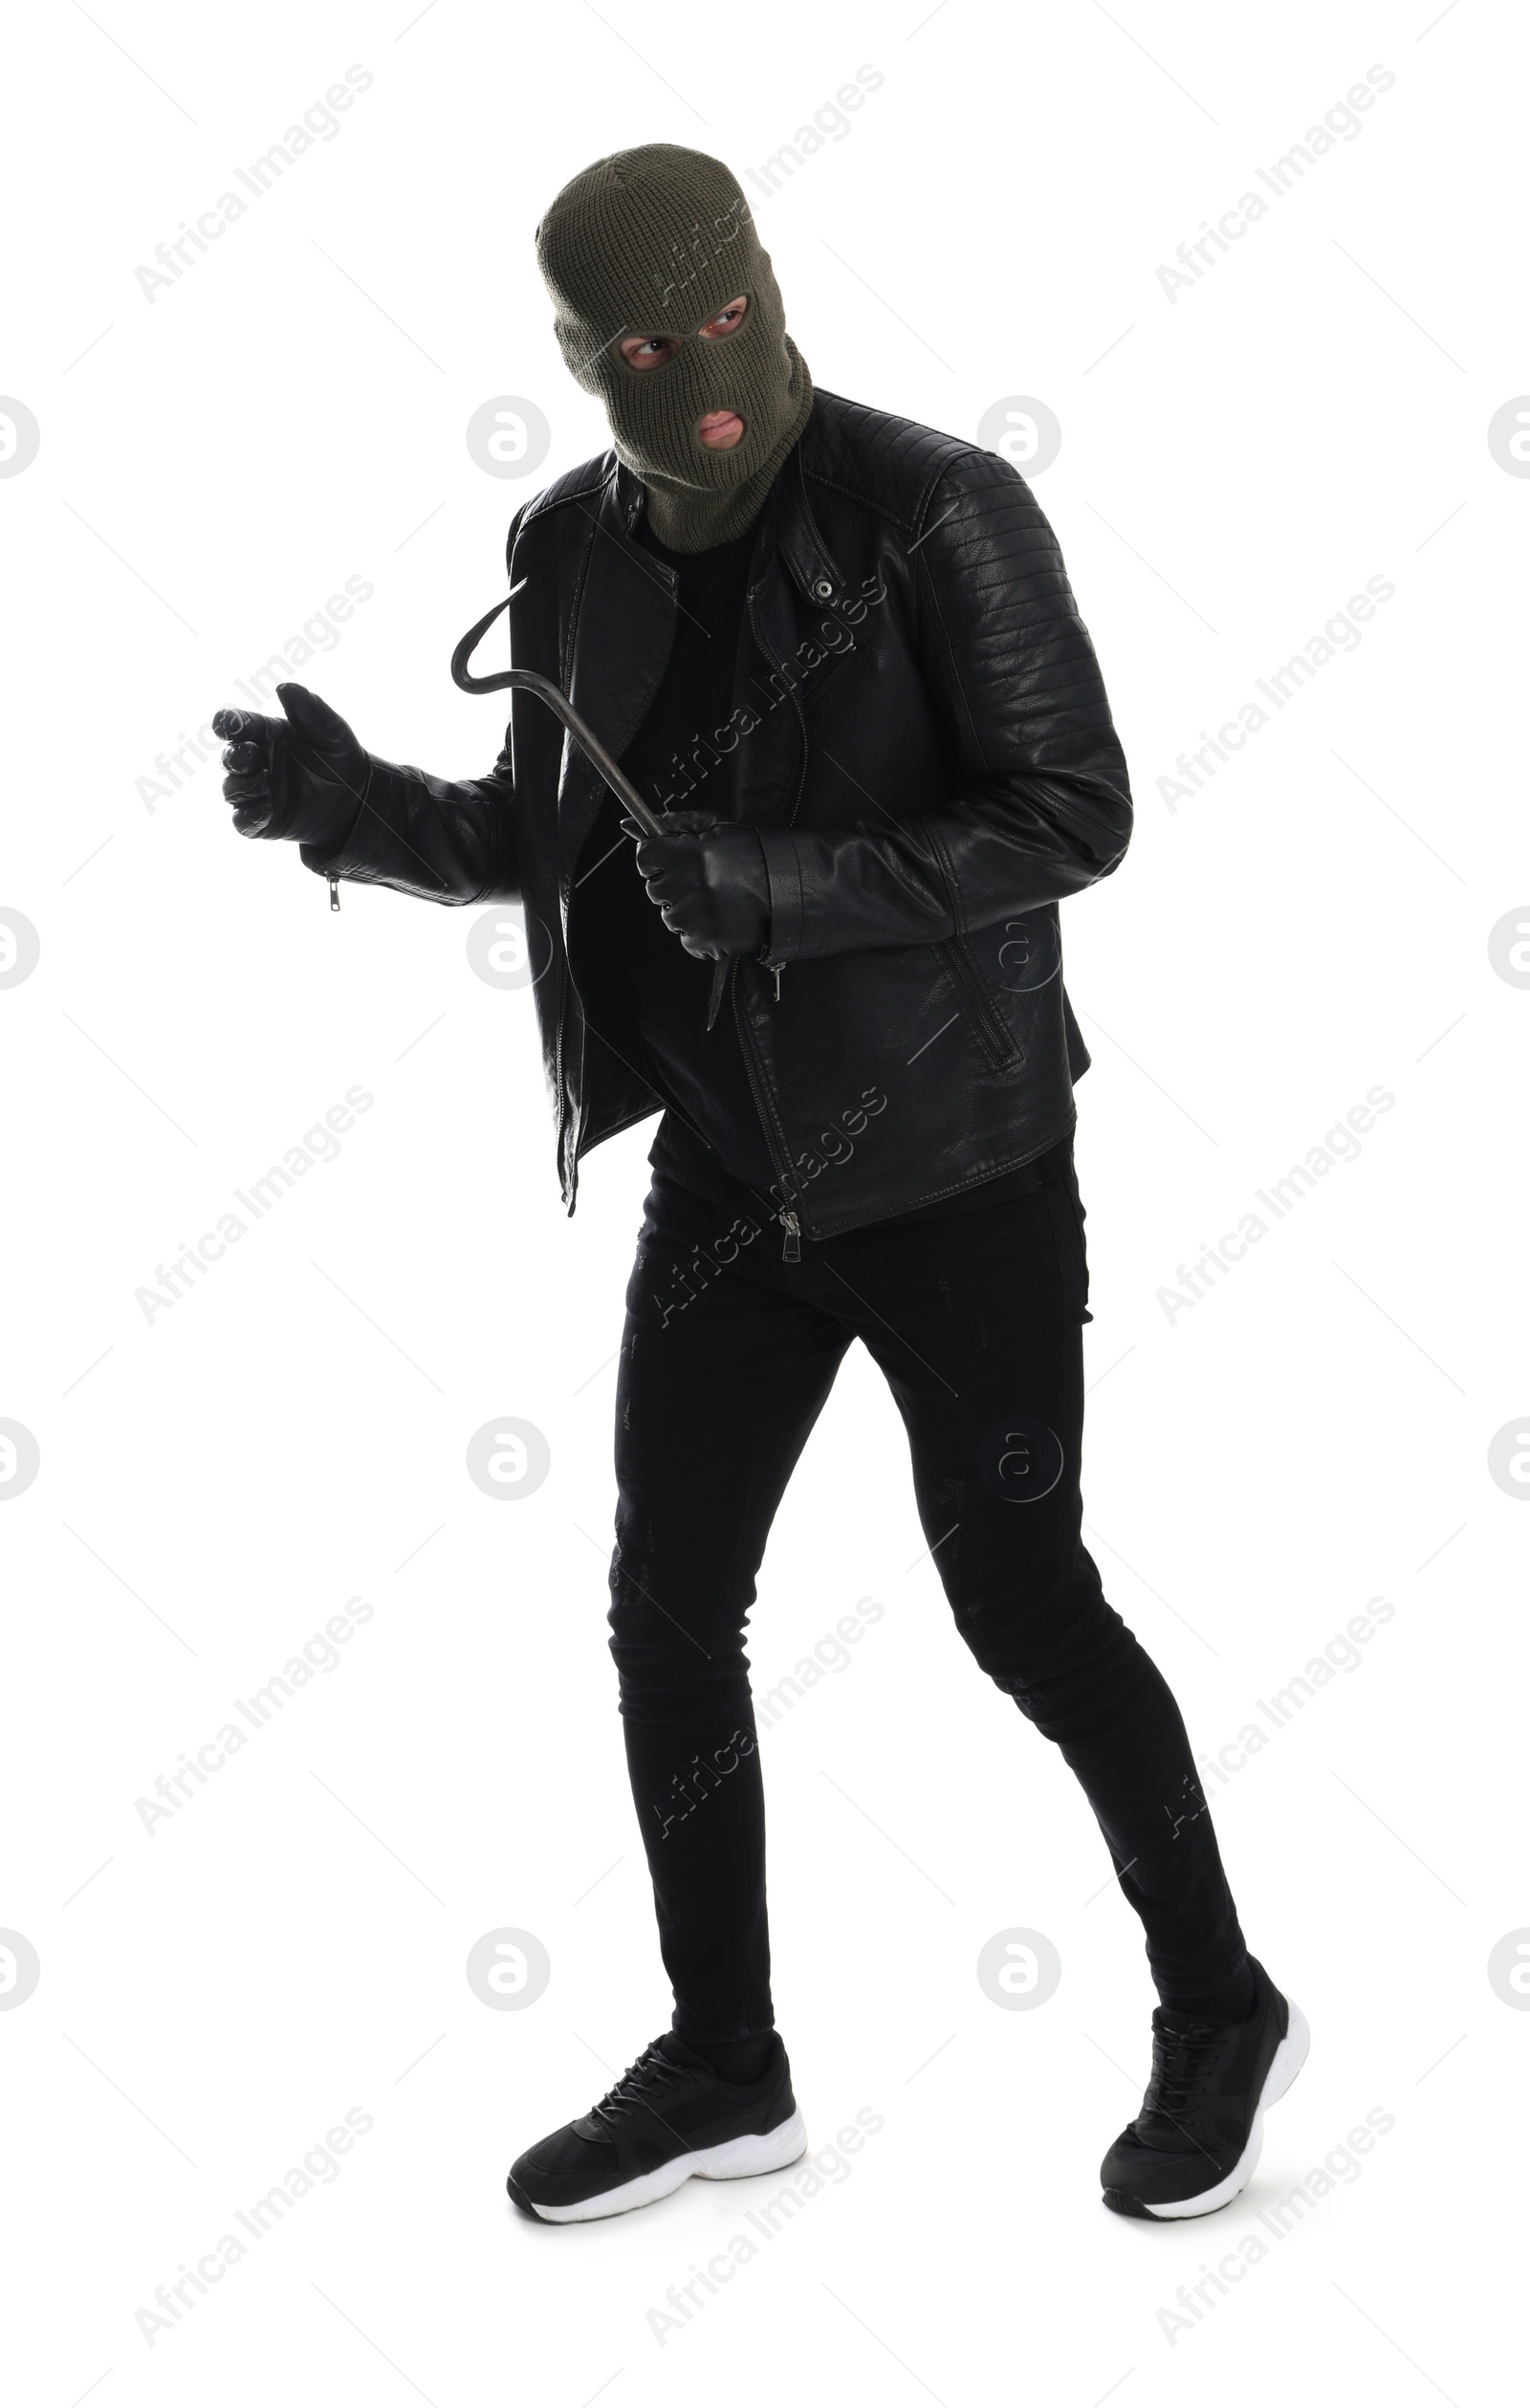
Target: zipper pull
{"x": 775, "y": 969}
{"x": 792, "y": 1249}
{"x": 334, "y": 895}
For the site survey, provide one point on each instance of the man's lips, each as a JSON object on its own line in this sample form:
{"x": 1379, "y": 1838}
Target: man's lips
{"x": 720, "y": 430}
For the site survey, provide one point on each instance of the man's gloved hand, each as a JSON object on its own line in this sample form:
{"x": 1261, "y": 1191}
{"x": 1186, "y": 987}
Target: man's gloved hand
{"x": 303, "y": 777}
{"x": 707, "y": 877}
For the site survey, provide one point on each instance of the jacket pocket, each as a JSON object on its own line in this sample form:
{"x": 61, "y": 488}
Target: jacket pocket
{"x": 817, "y": 680}
{"x": 1002, "y": 1050}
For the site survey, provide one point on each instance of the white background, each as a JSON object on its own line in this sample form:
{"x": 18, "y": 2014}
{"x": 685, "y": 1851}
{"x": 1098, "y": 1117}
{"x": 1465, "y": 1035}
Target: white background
{"x": 217, "y": 1481}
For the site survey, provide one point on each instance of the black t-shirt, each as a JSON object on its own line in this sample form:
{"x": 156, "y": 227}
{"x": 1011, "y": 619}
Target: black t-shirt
{"x": 710, "y": 1139}
{"x": 667, "y": 759}
{"x": 711, "y": 1127}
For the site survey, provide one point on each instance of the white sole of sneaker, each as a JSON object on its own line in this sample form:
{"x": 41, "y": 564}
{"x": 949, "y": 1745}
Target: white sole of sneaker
{"x": 1285, "y": 2064}
{"x": 729, "y": 2161}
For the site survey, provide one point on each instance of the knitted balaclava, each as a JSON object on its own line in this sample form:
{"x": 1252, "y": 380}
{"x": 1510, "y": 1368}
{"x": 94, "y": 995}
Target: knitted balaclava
{"x": 656, "y": 241}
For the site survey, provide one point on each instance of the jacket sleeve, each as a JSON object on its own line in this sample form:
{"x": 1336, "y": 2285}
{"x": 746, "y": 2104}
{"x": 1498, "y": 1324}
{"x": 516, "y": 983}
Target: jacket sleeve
{"x": 448, "y": 840}
{"x": 1042, "y": 804}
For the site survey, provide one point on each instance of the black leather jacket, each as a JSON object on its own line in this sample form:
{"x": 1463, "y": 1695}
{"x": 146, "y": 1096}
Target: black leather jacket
{"x": 923, "y": 739}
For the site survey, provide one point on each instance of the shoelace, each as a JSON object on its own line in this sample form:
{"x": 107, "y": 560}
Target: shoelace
{"x": 646, "y": 2073}
{"x": 1180, "y": 2060}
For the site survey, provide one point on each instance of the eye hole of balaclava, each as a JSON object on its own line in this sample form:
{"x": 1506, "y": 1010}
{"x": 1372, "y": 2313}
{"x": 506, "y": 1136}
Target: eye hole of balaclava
{"x": 709, "y": 332}
{"x": 656, "y": 242}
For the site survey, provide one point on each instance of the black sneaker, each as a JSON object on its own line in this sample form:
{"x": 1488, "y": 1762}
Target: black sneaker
{"x": 1198, "y": 2137}
{"x": 668, "y": 2117}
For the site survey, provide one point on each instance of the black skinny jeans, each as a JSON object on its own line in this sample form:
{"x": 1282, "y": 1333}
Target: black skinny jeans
{"x": 727, "y": 1357}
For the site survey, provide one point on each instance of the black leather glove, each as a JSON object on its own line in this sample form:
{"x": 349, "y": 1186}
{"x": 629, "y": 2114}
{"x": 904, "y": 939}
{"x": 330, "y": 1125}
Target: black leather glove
{"x": 304, "y": 777}
{"x": 707, "y": 877}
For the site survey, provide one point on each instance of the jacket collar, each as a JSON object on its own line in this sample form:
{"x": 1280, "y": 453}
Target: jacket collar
{"x": 800, "y": 539}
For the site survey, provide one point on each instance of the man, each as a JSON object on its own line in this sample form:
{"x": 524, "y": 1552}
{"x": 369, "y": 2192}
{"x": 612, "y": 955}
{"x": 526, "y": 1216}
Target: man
{"x": 842, "y": 651}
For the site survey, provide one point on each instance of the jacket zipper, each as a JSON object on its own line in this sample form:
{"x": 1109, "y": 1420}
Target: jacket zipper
{"x": 776, "y": 968}
{"x": 792, "y": 1240}
{"x": 792, "y": 1243}
{"x": 996, "y": 1041}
